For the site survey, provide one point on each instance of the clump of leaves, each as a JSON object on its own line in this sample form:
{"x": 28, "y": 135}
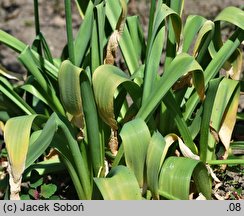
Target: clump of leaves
{"x": 178, "y": 122}
{"x": 39, "y": 190}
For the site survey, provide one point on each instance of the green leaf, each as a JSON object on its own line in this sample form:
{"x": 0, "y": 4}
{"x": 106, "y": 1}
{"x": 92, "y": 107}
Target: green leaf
{"x": 37, "y": 148}
{"x": 98, "y": 37}
{"x": 120, "y": 184}
{"x": 217, "y": 105}
{"x": 75, "y": 88}
{"x": 106, "y": 79}
{"x": 47, "y": 190}
{"x": 18, "y": 128}
{"x": 173, "y": 37}
{"x": 16, "y": 101}
{"x": 182, "y": 64}
{"x": 69, "y": 86}
{"x": 35, "y": 92}
{"x": 174, "y": 108}
{"x": 11, "y": 41}
{"x": 176, "y": 175}
{"x": 83, "y": 37}
{"x": 126, "y": 44}
{"x": 28, "y": 59}
{"x": 137, "y": 37}
{"x": 207, "y": 27}
{"x": 25, "y": 197}
{"x": 206, "y": 118}
{"x": 227, "y": 15}
{"x": 135, "y": 138}
{"x": 214, "y": 66}
{"x": 229, "y": 121}
{"x": 95, "y": 144}
{"x": 155, "y": 152}
{"x": 191, "y": 28}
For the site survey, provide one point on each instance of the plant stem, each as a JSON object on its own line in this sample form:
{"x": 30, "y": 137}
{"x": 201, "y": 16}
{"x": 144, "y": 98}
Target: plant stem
{"x": 36, "y": 12}
{"x": 228, "y": 162}
{"x": 68, "y": 17}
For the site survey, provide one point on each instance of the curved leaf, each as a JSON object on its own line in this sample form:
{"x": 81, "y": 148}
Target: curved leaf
{"x": 135, "y": 139}
{"x": 120, "y": 184}
{"x": 34, "y": 91}
{"x": 126, "y": 44}
{"x": 224, "y": 96}
{"x": 155, "y": 46}
{"x": 18, "y": 128}
{"x": 192, "y": 26}
{"x": 106, "y": 79}
{"x": 228, "y": 121}
{"x": 69, "y": 86}
{"x": 37, "y": 147}
{"x": 232, "y": 15}
{"x": 175, "y": 178}
{"x": 182, "y": 64}
{"x": 207, "y": 27}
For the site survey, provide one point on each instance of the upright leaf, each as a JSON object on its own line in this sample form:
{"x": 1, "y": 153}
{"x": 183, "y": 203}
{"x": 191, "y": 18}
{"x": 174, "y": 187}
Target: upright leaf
{"x": 17, "y": 128}
{"x": 135, "y": 138}
{"x": 119, "y": 184}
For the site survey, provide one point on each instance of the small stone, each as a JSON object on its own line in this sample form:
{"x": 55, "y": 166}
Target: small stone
{"x": 58, "y": 21}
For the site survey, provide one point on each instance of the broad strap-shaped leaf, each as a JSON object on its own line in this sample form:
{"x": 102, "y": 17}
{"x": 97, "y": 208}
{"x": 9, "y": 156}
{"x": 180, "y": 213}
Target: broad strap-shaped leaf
{"x": 228, "y": 121}
{"x": 78, "y": 99}
{"x": 228, "y": 48}
{"x": 155, "y": 152}
{"x": 182, "y": 64}
{"x": 83, "y": 37}
{"x": 206, "y": 118}
{"x": 155, "y": 46}
{"x": 223, "y": 52}
{"x": 106, "y": 79}
{"x": 176, "y": 175}
{"x": 135, "y": 137}
{"x": 215, "y": 110}
{"x": 16, "y": 135}
{"x": 98, "y": 37}
{"x": 208, "y": 27}
{"x": 119, "y": 184}
{"x": 72, "y": 155}
{"x": 7, "y": 90}
{"x": 173, "y": 36}
{"x": 12, "y": 42}
{"x": 192, "y": 26}
{"x": 34, "y": 91}
{"x": 28, "y": 59}
{"x": 18, "y": 128}
{"x": 232, "y": 15}
{"x": 38, "y": 146}
{"x": 113, "y": 12}
{"x": 137, "y": 36}
{"x": 177, "y": 117}
{"x": 225, "y": 95}
{"x": 69, "y": 86}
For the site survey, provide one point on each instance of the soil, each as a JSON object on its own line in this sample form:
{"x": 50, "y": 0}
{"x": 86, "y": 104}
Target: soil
{"x": 17, "y": 18}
